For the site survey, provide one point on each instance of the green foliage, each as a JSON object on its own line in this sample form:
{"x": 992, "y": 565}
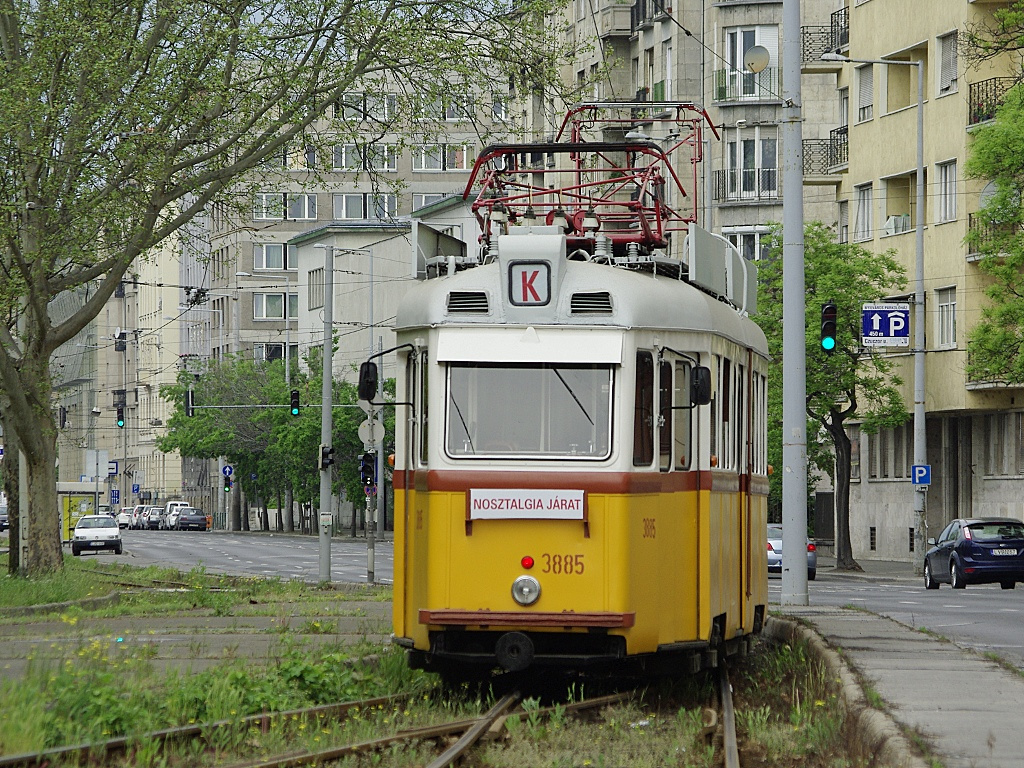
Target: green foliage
{"x": 265, "y": 439}
{"x": 996, "y": 341}
{"x": 853, "y": 382}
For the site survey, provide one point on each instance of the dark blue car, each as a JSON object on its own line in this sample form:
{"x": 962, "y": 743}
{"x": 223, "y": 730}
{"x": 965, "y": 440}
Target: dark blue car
{"x": 987, "y": 550}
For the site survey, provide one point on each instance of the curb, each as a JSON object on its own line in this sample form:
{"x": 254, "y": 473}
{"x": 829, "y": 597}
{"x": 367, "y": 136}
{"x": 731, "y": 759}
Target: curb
{"x": 88, "y": 603}
{"x": 877, "y": 738}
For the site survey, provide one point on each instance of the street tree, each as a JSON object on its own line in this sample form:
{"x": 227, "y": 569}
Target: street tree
{"x": 995, "y": 344}
{"x": 850, "y": 383}
{"x": 123, "y": 123}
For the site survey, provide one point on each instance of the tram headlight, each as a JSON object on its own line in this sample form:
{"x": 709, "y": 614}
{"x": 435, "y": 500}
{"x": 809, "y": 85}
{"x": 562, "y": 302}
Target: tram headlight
{"x": 525, "y": 590}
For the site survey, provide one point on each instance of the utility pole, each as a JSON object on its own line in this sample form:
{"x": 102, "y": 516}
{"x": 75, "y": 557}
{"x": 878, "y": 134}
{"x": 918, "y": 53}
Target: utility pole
{"x": 326, "y": 413}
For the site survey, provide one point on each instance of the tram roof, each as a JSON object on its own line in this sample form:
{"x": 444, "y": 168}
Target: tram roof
{"x": 589, "y": 295}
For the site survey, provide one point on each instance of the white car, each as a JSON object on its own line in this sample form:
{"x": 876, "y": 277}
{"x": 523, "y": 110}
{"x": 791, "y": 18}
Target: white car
{"x": 124, "y": 517}
{"x": 171, "y": 512}
{"x": 96, "y": 532}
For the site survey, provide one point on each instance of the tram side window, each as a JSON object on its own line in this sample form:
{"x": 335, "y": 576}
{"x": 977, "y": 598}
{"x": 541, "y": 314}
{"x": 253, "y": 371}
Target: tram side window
{"x": 643, "y": 411}
{"x": 665, "y": 414}
{"x": 412, "y": 388}
{"x": 423, "y": 411}
{"x": 682, "y": 415}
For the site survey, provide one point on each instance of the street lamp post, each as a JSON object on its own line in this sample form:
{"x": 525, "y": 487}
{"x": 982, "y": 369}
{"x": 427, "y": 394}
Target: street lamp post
{"x": 287, "y": 318}
{"x": 920, "y": 435}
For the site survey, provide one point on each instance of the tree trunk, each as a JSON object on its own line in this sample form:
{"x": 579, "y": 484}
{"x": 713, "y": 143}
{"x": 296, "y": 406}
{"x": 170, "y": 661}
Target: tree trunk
{"x": 844, "y": 545}
{"x": 289, "y": 502}
{"x": 244, "y": 503}
{"x": 235, "y": 510}
{"x": 264, "y": 515}
{"x": 29, "y": 418}
{"x": 9, "y": 467}
{"x": 280, "y": 512}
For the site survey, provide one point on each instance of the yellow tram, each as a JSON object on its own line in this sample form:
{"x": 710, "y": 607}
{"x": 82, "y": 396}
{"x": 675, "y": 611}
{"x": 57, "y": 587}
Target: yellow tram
{"x": 580, "y": 468}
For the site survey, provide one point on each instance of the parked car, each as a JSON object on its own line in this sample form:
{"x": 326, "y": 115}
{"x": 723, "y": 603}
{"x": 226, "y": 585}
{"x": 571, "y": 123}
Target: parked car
{"x": 153, "y": 518}
{"x": 95, "y": 532}
{"x": 775, "y": 553}
{"x": 974, "y": 550}
{"x": 136, "y": 522}
{"x": 171, "y": 513}
{"x": 4, "y": 521}
{"x": 124, "y": 517}
{"x": 189, "y": 518}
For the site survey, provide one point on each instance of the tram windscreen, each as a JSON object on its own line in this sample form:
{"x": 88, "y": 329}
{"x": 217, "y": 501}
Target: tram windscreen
{"x": 529, "y": 410}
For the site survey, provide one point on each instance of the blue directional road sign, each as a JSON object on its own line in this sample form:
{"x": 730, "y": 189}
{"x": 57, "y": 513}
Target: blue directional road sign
{"x": 921, "y": 474}
{"x": 227, "y": 470}
{"x": 886, "y": 324}
{"x": 115, "y": 496}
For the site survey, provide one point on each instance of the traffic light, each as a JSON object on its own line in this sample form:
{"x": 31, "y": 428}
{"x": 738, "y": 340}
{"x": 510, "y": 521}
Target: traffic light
{"x": 228, "y": 485}
{"x": 120, "y": 417}
{"x": 367, "y": 470}
{"x": 828, "y": 327}
{"x": 295, "y": 402}
{"x": 190, "y": 401}
{"x": 326, "y": 456}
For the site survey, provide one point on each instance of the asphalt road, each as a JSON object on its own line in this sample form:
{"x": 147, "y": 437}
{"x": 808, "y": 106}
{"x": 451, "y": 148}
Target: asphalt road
{"x": 282, "y": 555}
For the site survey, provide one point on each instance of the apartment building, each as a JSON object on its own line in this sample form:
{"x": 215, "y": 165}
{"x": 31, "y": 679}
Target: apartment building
{"x": 974, "y": 429}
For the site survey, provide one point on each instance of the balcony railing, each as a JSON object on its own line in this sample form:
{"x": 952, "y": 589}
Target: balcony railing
{"x": 985, "y": 97}
{"x": 645, "y": 12}
{"x": 981, "y": 233}
{"x": 814, "y": 41}
{"x": 746, "y": 184}
{"x": 841, "y": 29}
{"x": 839, "y": 146}
{"x": 733, "y": 85}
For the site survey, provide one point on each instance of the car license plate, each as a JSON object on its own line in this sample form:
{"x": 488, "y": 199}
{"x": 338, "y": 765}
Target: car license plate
{"x": 95, "y": 543}
{"x": 1004, "y": 552}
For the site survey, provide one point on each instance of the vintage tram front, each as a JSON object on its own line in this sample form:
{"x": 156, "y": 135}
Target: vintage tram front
{"x": 580, "y": 466}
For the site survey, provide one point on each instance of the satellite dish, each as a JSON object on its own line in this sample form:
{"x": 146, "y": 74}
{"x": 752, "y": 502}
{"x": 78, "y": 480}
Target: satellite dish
{"x": 987, "y": 194}
{"x": 117, "y": 332}
{"x": 756, "y": 58}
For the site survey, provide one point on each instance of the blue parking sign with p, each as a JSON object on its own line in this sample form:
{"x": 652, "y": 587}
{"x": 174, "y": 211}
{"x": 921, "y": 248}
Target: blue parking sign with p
{"x": 921, "y": 474}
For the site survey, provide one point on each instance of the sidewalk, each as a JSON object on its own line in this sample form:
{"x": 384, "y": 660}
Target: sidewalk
{"x": 966, "y": 708}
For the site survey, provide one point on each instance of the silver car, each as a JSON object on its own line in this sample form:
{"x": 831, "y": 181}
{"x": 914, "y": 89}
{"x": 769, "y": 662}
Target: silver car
{"x": 775, "y": 552}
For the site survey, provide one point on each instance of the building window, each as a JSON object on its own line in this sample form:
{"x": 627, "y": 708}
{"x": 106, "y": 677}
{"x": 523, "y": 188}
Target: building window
{"x": 844, "y": 107}
{"x": 381, "y": 107}
{"x": 347, "y": 158}
{"x": 267, "y": 352}
{"x": 734, "y": 82}
{"x": 380, "y": 157}
{"x": 273, "y": 256}
{"x": 751, "y": 243}
{"x": 268, "y": 206}
{"x": 865, "y": 92}
{"x": 315, "y": 288}
{"x": 499, "y": 107}
{"x": 360, "y": 205}
{"x": 440, "y": 157}
{"x": 862, "y": 224}
{"x": 270, "y": 306}
{"x": 900, "y": 201}
{"x": 945, "y": 298}
{"x": 753, "y": 169}
{"x": 301, "y": 206}
{"x": 853, "y": 432}
{"x": 872, "y": 538}
{"x": 350, "y": 107}
{"x": 422, "y": 200}
{"x": 459, "y": 108}
{"x": 843, "y": 225}
{"x": 995, "y": 444}
{"x": 947, "y": 73}
{"x": 947, "y": 192}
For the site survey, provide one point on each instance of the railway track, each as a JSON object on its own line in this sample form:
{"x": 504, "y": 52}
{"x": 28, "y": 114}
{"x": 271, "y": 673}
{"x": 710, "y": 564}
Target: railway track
{"x": 467, "y": 733}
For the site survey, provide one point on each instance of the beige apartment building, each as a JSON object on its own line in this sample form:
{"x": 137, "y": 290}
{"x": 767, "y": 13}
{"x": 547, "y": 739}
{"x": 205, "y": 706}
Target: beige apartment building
{"x": 975, "y": 429}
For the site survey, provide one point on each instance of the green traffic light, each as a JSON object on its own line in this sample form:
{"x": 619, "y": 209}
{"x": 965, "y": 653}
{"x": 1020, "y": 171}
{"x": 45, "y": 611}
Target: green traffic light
{"x": 828, "y": 344}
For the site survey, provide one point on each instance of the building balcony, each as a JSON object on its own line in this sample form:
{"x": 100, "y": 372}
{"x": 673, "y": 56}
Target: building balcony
{"x": 985, "y": 97}
{"x": 745, "y": 185}
{"x": 731, "y": 85}
{"x": 643, "y": 13}
{"x": 983, "y": 234}
{"x": 614, "y": 21}
{"x": 820, "y": 161}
